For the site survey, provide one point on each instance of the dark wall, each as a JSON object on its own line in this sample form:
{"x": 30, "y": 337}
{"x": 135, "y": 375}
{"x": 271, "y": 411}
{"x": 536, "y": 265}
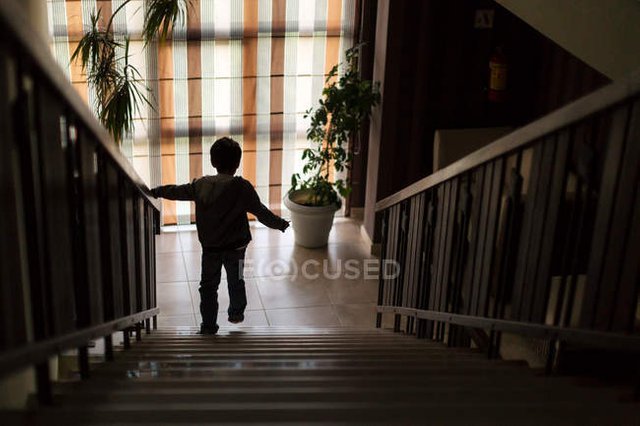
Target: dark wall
{"x": 437, "y": 75}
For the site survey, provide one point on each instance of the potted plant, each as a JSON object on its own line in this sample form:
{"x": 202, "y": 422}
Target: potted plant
{"x": 315, "y": 196}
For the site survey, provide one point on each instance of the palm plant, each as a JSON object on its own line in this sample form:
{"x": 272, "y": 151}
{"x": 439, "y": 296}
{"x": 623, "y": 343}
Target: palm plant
{"x": 124, "y": 100}
{"x": 163, "y": 15}
{"x": 115, "y": 81}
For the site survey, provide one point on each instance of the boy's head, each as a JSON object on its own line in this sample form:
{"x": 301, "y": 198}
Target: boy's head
{"x": 225, "y": 155}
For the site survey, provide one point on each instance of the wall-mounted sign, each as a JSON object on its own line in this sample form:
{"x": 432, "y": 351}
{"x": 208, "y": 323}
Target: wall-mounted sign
{"x": 484, "y": 19}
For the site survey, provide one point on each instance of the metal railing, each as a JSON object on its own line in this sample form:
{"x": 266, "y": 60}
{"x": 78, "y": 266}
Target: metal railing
{"x": 77, "y": 225}
{"x": 537, "y": 233}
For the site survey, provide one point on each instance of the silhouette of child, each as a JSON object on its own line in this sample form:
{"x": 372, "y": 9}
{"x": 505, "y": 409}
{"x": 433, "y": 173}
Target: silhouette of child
{"x": 222, "y": 202}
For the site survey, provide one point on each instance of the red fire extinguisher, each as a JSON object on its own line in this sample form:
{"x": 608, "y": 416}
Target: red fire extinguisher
{"x": 498, "y": 68}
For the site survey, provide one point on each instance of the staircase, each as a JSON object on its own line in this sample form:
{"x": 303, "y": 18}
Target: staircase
{"x": 316, "y": 376}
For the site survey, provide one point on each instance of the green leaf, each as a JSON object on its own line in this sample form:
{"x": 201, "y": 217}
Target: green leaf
{"x": 162, "y": 16}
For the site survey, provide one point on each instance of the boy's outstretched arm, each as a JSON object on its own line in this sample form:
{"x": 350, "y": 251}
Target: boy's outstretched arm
{"x": 175, "y": 192}
{"x": 261, "y": 212}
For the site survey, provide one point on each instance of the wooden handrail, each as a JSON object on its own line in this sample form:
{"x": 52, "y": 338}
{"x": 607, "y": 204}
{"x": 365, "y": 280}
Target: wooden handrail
{"x": 622, "y": 341}
{"x": 599, "y": 100}
{"x": 35, "y": 352}
{"x": 13, "y": 18}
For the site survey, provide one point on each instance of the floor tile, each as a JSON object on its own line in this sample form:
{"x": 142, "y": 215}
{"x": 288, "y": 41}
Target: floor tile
{"x": 176, "y": 320}
{"x": 168, "y": 242}
{"x": 189, "y": 241}
{"x": 345, "y": 291}
{"x": 174, "y": 298}
{"x": 320, "y": 316}
{"x": 269, "y": 261}
{"x": 289, "y": 292}
{"x": 170, "y": 267}
{"x": 331, "y": 257}
{"x": 360, "y": 315}
{"x": 193, "y": 263}
{"x": 345, "y": 231}
{"x": 265, "y": 237}
{"x": 251, "y": 319}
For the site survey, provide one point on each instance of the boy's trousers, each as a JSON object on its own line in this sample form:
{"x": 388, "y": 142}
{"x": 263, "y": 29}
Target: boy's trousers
{"x": 212, "y": 262}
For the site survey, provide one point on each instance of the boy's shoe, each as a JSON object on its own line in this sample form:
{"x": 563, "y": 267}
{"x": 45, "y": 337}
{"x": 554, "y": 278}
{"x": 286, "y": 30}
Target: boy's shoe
{"x": 236, "y": 319}
{"x": 205, "y": 329}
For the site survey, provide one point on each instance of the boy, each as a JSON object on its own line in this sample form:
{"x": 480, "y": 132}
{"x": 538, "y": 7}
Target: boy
{"x": 222, "y": 203}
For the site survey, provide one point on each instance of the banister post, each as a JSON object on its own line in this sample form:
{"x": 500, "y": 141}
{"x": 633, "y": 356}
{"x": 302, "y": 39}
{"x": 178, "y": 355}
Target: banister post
{"x": 383, "y": 250}
{"x": 108, "y": 347}
{"x": 43, "y": 383}
{"x": 83, "y": 362}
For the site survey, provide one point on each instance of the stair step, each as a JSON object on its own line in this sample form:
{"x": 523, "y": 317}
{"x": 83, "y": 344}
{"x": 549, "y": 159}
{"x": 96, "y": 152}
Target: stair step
{"x": 111, "y": 383}
{"x": 275, "y": 373}
{"x": 82, "y": 390}
{"x": 324, "y": 348}
{"x": 220, "y": 340}
{"x": 288, "y": 356}
{"x": 334, "y": 394}
{"x": 392, "y": 364}
{"x": 302, "y": 375}
{"x": 289, "y": 342}
{"x": 453, "y": 413}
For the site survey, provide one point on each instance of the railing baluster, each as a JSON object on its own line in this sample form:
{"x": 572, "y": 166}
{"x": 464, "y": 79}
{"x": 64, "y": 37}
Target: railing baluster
{"x": 481, "y": 238}
{"x": 434, "y": 299}
{"x": 539, "y": 209}
{"x": 429, "y": 259}
{"x": 409, "y": 280}
{"x": 108, "y": 347}
{"x": 383, "y": 258}
{"x": 58, "y": 219}
{"x": 395, "y": 224}
{"x": 529, "y": 197}
{"x": 401, "y": 257}
{"x": 557, "y": 187}
{"x": 452, "y": 206}
{"x": 623, "y": 316}
{"x": 493, "y": 211}
{"x": 459, "y": 256}
{"x": 139, "y": 254}
{"x": 416, "y": 269}
{"x": 12, "y": 222}
{"x": 138, "y": 329}
{"x": 476, "y": 180}
{"x": 154, "y": 228}
{"x": 618, "y": 231}
{"x": 43, "y": 383}
{"x": 83, "y": 362}
{"x": 126, "y": 341}
{"x": 604, "y": 215}
{"x": 509, "y": 244}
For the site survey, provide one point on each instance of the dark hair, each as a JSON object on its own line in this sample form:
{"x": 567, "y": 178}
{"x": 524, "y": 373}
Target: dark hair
{"x": 225, "y": 155}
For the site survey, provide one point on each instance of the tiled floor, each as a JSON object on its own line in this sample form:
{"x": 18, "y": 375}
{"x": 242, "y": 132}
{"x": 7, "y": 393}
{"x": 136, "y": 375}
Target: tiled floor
{"x": 286, "y": 284}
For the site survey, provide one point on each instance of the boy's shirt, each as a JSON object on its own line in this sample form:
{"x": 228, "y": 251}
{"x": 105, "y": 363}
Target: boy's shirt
{"x": 222, "y": 202}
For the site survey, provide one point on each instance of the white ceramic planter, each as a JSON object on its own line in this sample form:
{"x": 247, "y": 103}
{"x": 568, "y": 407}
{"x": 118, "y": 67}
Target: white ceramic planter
{"x": 311, "y": 225}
